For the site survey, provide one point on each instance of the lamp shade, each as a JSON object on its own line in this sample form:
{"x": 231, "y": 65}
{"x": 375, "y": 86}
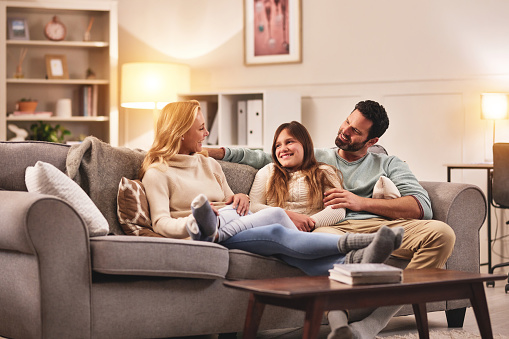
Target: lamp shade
{"x": 153, "y": 85}
{"x": 494, "y": 106}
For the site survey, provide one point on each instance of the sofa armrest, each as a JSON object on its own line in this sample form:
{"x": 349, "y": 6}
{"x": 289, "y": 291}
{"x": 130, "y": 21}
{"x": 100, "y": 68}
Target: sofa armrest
{"x": 463, "y": 207}
{"x": 45, "y": 244}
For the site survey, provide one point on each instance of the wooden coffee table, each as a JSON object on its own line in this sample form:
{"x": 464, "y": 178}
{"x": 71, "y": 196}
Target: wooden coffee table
{"x": 314, "y": 295}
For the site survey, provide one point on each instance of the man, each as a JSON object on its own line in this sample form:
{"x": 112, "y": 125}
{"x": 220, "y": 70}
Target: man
{"x": 426, "y": 242}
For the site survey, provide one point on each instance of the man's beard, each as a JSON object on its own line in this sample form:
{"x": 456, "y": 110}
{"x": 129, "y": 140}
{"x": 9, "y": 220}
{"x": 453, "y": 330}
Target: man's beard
{"x": 349, "y": 147}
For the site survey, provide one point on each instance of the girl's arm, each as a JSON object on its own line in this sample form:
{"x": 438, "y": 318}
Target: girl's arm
{"x": 258, "y": 193}
{"x": 329, "y": 216}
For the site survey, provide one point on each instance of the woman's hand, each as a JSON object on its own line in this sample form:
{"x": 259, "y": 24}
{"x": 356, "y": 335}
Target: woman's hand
{"x": 240, "y": 201}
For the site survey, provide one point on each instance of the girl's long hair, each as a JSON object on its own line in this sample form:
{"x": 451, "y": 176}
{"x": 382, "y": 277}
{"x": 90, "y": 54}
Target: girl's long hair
{"x": 315, "y": 177}
{"x": 174, "y": 121}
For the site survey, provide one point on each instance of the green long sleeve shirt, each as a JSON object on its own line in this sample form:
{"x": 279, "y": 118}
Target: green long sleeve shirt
{"x": 359, "y": 177}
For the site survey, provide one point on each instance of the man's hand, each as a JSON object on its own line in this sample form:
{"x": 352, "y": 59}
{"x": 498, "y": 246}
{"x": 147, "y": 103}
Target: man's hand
{"x": 302, "y": 221}
{"x": 216, "y": 153}
{"x": 400, "y": 208}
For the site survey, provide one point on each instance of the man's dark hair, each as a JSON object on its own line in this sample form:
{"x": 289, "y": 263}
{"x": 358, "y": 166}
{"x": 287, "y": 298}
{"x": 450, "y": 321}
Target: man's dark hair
{"x": 375, "y": 112}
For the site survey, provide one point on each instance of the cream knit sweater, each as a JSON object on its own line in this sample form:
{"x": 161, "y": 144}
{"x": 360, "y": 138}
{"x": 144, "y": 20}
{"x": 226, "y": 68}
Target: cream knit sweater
{"x": 298, "y": 195}
{"x": 170, "y": 190}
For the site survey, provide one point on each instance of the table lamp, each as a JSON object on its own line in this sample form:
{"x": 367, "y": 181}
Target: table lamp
{"x": 493, "y": 107}
{"x": 151, "y": 85}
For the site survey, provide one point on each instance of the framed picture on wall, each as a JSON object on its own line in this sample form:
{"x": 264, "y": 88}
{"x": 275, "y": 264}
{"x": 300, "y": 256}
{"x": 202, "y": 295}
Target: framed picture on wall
{"x": 272, "y": 31}
{"x": 18, "y": 29}
{"x": 56, "y": 67}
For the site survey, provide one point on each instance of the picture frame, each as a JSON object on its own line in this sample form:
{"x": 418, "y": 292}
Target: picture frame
{"x": 56, "y": 67}
{"x": 272, "y": 32}
{"x": 18, "y": 29}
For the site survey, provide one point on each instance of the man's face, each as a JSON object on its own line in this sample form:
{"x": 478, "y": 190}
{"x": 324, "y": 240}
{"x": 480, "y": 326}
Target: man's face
{"x": 353, "y": 132}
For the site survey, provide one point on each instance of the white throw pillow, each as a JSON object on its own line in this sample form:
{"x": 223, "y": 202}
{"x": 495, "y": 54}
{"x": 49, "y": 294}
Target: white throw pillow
{"x": 385, "y": 189}
{"x": 45, "y": 178}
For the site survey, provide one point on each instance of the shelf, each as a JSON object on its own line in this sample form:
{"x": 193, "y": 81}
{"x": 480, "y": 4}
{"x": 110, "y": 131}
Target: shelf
{"x": 43, "y": 43}
{"x": 71, "y": 119}
{"x": 58, "y": 81}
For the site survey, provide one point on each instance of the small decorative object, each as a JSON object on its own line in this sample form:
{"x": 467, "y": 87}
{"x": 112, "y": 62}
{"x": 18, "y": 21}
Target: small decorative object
{"x": 19, "y": 68}
{"x": 45, "y": 132}
{"x": 18, "y": 29}
{"x": 21, "y": 134}
{"x": 26, "y": 105}
{"x": 86, "y": 36}
{"x": 64, "y": 108}
{"x": 272, "y": 32}
{"x": 90, "y": 74}
{"x": 56, "y": 67}
{"x": 55, "y": 30}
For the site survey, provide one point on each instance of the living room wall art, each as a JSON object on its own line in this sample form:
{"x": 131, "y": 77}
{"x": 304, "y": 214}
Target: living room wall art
{"x": 272, "y": 32}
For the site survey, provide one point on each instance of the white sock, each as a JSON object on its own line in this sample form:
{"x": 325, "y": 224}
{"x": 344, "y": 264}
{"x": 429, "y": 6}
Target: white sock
{"x": 370, "y": 326}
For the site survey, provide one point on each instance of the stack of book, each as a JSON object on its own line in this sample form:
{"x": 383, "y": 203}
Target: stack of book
{"x": 359, "y": 274}
{"x": 89, "y": 100}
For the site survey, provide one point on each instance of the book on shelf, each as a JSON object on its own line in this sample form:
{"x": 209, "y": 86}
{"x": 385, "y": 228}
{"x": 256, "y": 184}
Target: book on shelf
{"x": 89, "y": 97}
{"x": 31, "y": 114}
{"x": 358, "y": 274}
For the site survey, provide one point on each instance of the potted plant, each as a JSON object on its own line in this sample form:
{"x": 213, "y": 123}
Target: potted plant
{"x": 45, "y": 132}
{"x": 26, "y": 105}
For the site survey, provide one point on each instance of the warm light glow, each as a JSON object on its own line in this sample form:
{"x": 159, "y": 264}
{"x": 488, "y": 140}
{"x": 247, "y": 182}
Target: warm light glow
{"x": 494, "y": 106}
{"x": 148, "y": 85}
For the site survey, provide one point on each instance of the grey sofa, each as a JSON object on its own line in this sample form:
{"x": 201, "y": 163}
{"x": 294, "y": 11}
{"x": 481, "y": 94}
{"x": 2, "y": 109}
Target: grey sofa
{"x": 57, "y": 282}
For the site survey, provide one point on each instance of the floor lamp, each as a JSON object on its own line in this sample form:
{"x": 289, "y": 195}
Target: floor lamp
{"x": 493, "y": 107}
{"x": 151, "y": 85}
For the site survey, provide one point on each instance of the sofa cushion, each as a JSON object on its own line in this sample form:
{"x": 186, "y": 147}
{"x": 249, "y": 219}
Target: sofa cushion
{"x": 133, "y": 210}
{"x": 16, "y": 156}
{"x": 164, "y": 257}
{"x": 246, "y": 265}
{"x": 45, "y": 178}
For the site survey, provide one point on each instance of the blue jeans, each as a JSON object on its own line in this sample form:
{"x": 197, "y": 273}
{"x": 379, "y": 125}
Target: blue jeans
{"x": 313, "y": 253}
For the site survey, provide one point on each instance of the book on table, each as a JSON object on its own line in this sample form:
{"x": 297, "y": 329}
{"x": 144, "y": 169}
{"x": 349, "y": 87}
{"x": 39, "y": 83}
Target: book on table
{"x": 357, "y": 274}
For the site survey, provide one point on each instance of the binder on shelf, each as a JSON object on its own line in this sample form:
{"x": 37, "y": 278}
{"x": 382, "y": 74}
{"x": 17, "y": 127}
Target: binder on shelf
{"x": 254, "y": 122}
{"x": 89, "y": 98}
{"x": 213, "y": 137}
{"x": 242, "y": 122}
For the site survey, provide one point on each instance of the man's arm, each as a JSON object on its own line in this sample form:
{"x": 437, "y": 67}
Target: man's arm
{"x": 404, "y": 207}
{"x": 246, "y": 156}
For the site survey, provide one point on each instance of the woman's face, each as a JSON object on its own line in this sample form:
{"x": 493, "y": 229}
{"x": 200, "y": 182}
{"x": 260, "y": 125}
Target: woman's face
{"x": 289, "y": 151}
{"x": 193, "y": 139}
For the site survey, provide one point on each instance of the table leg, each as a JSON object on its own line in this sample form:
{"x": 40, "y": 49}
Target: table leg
{"x": 314, "y": 315}
{"x": 482, "y": 314}
{"x": 421, "y": 318}
{"x": 254, "y": 315}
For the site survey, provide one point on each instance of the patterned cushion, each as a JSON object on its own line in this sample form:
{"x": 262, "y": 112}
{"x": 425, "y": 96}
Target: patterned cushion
{"x": 133, "y": 210}
{"x": 45, "y": 178}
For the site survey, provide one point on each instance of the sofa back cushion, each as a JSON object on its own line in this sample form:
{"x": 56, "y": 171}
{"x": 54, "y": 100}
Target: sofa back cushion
{"x": 16, "y": 156}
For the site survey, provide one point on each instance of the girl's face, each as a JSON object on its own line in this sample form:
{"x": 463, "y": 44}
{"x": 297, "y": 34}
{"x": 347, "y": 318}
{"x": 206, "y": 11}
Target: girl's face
{"x": 193, "y": 139}
{"x": 289, "y": 151}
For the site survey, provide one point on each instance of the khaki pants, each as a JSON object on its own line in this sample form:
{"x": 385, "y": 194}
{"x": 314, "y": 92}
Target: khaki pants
{"x": 426, "y": 243}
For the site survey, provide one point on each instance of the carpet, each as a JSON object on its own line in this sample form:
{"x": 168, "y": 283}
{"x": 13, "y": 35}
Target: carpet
{"x": 445, "y": 334}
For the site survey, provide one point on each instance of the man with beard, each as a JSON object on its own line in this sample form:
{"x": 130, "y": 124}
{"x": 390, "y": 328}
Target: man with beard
{"x": 426, "y": 243}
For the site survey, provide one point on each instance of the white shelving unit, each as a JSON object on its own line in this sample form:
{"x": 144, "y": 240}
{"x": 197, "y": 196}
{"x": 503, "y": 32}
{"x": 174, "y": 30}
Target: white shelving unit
{"x": 100, "y": 54}
{"x": 277, "y": 107}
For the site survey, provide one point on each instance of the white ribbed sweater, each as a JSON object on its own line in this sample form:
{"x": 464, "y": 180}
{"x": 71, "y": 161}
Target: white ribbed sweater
{"x": 298, "y": 195}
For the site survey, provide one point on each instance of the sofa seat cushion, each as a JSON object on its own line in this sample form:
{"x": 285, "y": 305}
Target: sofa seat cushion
{"x": 164, "y": 257}
{"x": 247, "y": 265}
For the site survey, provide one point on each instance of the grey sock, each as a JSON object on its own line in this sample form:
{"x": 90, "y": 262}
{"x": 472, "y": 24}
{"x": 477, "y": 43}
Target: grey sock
{"x": 370, "y": 326}
{"x": 377, "y": 252}
{"x": 354, "y": 241}
{"x": 338, "y": 322}
{"x": 399, "y": 231}
{"x": 204, "y": 215}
